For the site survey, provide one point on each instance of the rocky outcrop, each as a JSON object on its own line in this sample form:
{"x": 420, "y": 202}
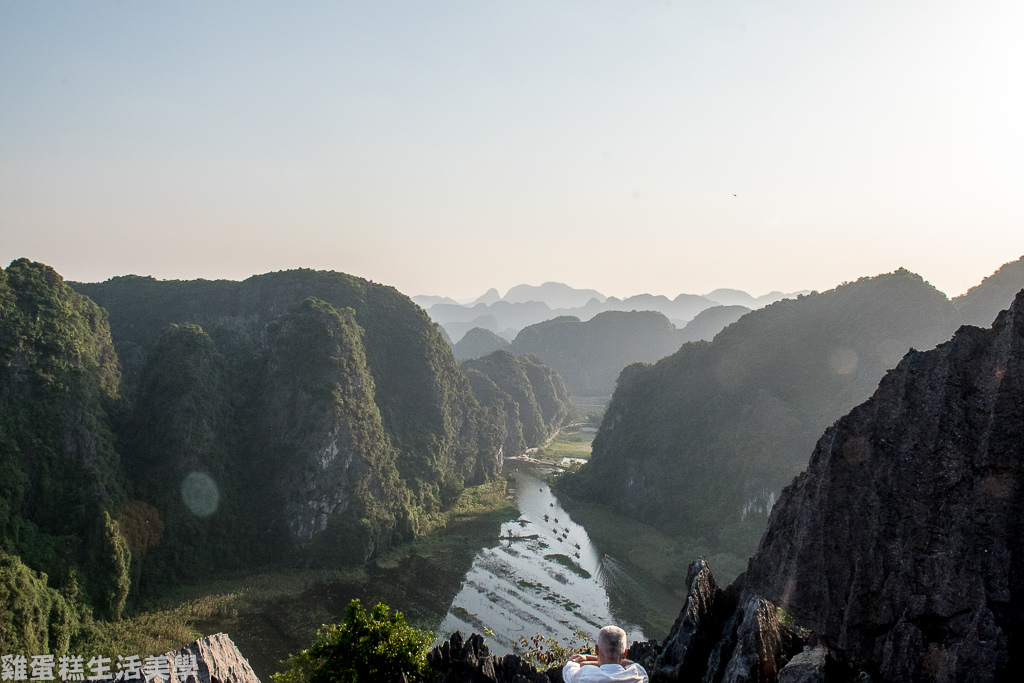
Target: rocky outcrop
{"x": 460, "y": 660}
{"x": 216, "y": 660}
{"x": 901, "y": 545}
{"x": 698, "y": 627}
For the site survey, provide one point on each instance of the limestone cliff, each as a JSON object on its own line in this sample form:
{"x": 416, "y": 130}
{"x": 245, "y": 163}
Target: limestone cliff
{"x": 318, "y": 415}
{"x": 532, "y": 396}
{"x": 901, "y": 544}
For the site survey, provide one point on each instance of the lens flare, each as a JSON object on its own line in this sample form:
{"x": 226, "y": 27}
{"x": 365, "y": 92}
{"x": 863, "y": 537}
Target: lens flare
{"x": 200, "y": 494}
{"x": 843, "y": 361}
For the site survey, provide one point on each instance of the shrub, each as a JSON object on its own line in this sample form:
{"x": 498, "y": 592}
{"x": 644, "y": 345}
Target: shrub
{"x": 378, "y": 646}
{"x": 545, "y": 651}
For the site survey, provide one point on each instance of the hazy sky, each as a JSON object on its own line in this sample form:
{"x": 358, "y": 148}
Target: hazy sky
{"x": 448, "y": 147}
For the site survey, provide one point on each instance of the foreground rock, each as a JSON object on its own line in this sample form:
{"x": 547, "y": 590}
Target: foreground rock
{"x": 217, "y": 661}
{"x": 460, "y": 660}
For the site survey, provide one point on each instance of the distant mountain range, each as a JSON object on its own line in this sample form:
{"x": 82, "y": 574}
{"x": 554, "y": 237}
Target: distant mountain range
{"x": 526, "y": 305}
{"x": 590, "y": 354}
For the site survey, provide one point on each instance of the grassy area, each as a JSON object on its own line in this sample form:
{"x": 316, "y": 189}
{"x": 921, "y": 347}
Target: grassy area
{"x": 479, "y": 505}
{"x": 274, "y": 612}
{"x": 572, "y": 442}
{"x": 647, "y": 549}
{"x": 190, "y": 612}
{"x": 161, "y": 630}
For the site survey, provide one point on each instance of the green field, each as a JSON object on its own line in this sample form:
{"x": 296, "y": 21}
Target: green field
{"x": 275, "y": 612}
{"x": 572, "y": 442}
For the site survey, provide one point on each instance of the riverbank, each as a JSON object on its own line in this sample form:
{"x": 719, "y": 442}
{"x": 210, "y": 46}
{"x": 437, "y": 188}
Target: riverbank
{"x": 648, "y": 550}
{"x": 570, "y": 442}
{"x": 275, "y": 611}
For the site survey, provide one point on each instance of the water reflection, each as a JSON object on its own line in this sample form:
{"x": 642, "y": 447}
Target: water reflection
{"x": 545, "y": 576}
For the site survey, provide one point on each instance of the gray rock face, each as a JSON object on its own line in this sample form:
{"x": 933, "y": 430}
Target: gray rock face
{"x": 469, "y": 660}
{"x": 902, "y": 544}
{"x": 698, "y": 627}
{"x": 217, "y": 661}
{"x": 806, "y": 667}
{"x": 754, "y": 645}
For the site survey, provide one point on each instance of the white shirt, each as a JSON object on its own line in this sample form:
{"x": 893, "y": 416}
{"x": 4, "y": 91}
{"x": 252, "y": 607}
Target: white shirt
{"x": 573, "y": 672}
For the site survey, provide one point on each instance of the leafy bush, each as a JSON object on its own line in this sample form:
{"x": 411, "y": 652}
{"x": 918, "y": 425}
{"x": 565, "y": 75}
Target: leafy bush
{"x": 545, "y": 651}
{"x": 35, "y": 618}
{"x": 378, "y": 646}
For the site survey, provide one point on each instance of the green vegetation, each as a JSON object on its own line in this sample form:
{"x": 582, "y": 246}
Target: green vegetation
{"x": 567, "y": 562}
{"x": 701, "y": 443}
{"x": 59, "y": 473}
{"x": 286, "y": 395}
{"x": 477, "y": 504}
{"x": 529, "y": 394}
{"x": 378, "y": 646}
{"x": 307, "y": 415}
{"x": 159, "y": 630}
{"x": 34, "y": 617}
{"x": 571, "y": 442}
{"x": 287, "y": 602}
{"x": 544, "y": 651}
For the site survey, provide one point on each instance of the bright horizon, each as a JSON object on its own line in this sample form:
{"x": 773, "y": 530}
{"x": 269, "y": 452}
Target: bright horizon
{"x": 659, "y": 147}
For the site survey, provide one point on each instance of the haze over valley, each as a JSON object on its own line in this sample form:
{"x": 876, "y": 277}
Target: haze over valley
{"x": 220, "y": 426}
{"x": 415, "y": 342}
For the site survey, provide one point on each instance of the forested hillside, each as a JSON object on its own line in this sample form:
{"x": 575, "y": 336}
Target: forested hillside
{"x": 304, "y": 415}
{"x": 589, "y": 355}
{"x": 333, "y": 399}
{"x": 980, "y": 304}
{"x": 60, "y": 476}
{"x": 531, "y": 395}
{"x": 702, "y": 442}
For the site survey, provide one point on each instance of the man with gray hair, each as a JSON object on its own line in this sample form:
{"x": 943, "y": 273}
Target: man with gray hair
{"x": 608, "y": 663}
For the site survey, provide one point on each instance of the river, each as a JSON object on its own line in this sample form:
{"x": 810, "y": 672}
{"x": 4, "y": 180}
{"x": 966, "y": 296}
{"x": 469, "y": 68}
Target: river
{"x": 545, "y": 576}
{"x": 531, "y": 576}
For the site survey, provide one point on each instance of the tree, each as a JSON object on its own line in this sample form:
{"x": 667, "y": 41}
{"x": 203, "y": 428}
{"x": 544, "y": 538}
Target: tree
{"x": 378, "y": 646}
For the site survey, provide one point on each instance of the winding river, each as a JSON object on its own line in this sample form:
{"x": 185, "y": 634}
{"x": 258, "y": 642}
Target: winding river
{"x": 540, "y": 574}
{"x": 546, "y": 577}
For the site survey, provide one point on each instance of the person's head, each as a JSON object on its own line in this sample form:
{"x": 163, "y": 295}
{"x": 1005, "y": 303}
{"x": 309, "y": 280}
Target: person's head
{"x": 611, "y": 645}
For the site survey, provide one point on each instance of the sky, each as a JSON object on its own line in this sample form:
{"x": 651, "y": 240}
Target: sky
{"x": 448, "y": 147}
